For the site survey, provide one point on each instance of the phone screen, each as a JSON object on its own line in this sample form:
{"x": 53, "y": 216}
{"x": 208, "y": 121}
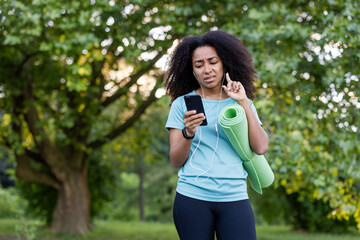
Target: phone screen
{"x": 193, "y": 102}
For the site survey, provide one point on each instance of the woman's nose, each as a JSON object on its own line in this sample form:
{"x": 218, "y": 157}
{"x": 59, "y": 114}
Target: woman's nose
{"x": 207, "y": 68}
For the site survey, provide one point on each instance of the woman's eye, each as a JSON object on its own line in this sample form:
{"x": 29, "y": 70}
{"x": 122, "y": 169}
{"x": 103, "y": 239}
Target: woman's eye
{"x": 213, "y": 63}
{"x": 199, "y": 66}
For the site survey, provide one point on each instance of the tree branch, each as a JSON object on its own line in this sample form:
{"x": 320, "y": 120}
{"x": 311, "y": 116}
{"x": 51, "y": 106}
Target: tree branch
{"x": 25, "y": 171}
{"x": 128, "y": 123}
{"x": 47, "y": 149}
{"x": 133, "y": 80}
{"x": 35, "y": 156}
{"x": 80, "y": 119}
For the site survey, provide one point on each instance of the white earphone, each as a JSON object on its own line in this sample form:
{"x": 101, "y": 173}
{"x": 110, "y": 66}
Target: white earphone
{"x": 217, "y": 138}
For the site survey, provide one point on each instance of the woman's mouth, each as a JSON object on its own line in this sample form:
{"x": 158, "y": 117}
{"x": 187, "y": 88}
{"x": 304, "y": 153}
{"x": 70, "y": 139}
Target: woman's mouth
{"x": 209, "y": 79}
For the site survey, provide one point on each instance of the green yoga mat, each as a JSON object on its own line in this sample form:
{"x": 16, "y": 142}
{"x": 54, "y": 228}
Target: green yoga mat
{"x": 234, "y": 123}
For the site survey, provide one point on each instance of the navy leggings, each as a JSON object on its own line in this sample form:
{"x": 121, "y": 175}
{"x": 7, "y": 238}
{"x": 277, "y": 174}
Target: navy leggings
{"x": 198, "y": 220}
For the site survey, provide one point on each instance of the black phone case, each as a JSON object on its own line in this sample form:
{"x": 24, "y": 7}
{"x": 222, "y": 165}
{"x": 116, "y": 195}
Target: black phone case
{"x": 193, "y": 102}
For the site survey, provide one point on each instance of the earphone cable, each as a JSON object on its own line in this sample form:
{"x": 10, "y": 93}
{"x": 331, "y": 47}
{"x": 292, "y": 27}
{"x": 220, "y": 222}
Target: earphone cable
{"x": 217, "y": 140}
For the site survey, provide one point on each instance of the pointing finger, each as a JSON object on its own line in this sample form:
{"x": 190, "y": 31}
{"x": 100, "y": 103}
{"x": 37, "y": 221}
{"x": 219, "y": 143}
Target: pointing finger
{"x": 228, "y": 77}
{"x": 229, "y": 82}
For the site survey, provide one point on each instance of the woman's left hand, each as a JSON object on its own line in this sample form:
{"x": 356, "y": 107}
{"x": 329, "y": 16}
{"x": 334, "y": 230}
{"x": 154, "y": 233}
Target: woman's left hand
{"x": 235, "y": 90}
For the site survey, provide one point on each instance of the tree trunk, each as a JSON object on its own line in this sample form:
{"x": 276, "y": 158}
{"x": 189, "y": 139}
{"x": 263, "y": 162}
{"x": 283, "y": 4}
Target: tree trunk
{"x": 72, "y": 211}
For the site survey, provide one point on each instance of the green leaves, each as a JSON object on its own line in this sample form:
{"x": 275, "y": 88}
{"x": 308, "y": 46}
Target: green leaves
{"x": 76, "y": 55}
{"x": 12, "y": 40}
{"x": 301, "y": 97}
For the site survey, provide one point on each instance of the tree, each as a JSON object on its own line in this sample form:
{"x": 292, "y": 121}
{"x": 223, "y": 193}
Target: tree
{"x": 71, "y": 81}
{"x": 66, "y": 68}
{"x": 307, "y": 54}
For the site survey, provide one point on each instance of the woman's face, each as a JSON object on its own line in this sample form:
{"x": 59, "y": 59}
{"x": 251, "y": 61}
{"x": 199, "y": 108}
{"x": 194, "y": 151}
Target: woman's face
{"x": 207, "y": 67}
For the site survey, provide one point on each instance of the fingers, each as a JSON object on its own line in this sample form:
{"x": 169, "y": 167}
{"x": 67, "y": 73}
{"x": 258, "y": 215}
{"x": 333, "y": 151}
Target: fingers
{"x": 236, "y": 86}
{"x": 232, "y": 86}
{"x": 193, "y": 120}
{"x": 229, "y": 82}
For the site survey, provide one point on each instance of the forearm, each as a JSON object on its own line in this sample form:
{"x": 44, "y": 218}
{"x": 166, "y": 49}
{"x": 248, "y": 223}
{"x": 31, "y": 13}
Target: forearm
{"x": 179, "y": 148}
{"x": 258, "y": 139}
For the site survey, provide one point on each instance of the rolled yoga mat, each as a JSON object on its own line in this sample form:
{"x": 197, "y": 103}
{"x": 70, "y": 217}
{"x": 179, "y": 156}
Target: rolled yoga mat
{"x": 234, "y": 123}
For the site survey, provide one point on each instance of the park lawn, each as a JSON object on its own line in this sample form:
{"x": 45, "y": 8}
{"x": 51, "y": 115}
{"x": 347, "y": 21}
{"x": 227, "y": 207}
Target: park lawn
{"x": 119, "y": 230}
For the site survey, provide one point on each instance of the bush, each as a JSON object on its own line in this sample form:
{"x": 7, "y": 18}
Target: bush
{"x": 41, "y": 200}
{"x": 271, "y": 207}
{"x": 274, "y": 206}
{"x": 125, "y": 205}
{"x": 11, "y": 204}
{"x": 312, "y": 215}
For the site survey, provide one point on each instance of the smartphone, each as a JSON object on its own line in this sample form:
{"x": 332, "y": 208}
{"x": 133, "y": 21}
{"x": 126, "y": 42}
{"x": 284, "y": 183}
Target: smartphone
{"x": 194, "y": 102}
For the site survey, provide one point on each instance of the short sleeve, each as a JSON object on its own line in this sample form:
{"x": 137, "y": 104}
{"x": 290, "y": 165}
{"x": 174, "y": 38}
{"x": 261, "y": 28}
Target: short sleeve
{"x": 176, "y": 113}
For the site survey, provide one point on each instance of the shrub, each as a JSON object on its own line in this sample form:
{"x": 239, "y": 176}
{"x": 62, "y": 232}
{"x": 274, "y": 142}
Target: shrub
{"x": 11, "y": 204}
{"x": 312, "y": 215}
{"x": 275, "y": 206}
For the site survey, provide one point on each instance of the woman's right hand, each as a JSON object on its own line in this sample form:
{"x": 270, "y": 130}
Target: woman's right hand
{"x": 192, "y": 121}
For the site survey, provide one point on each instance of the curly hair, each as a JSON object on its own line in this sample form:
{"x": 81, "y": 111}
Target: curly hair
{"x": 236, "y": 59}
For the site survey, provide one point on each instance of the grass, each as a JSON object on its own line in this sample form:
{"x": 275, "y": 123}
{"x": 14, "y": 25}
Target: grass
{"x": 119, "y": 230}
{"x": 285, "y": 233}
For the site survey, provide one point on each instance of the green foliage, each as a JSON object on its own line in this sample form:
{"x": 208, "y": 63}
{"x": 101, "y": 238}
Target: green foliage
{"x": 101, "y": 180}
{"x": 125, "y": 205}
{"x": 42, "y": 207}
{"x": 160, "y": 192}
{"x": 71, "y": 75}
{"x": 275, "y": 206}
{"x": 11, "y": 203}
{"x": 26, "y": 229}
{"x": 145, "y": 144}
{"x": 306, "y": 54}
{"x": 72, "y": 80}
{"x": 68, "y": 53}
{"x": 313, "y": 214}
{"x": 272, "y": 207}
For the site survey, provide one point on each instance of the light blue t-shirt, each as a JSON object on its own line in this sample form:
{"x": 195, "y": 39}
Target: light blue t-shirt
{"x": 209, "y": 176}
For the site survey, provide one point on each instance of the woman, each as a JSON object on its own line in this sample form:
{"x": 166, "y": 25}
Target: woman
{"x": 211, "y": 194}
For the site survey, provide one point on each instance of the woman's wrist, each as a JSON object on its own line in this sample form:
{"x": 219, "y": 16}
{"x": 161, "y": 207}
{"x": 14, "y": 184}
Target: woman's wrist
{"x": 187, "y": 134}
{"x": 244, "y": 102}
